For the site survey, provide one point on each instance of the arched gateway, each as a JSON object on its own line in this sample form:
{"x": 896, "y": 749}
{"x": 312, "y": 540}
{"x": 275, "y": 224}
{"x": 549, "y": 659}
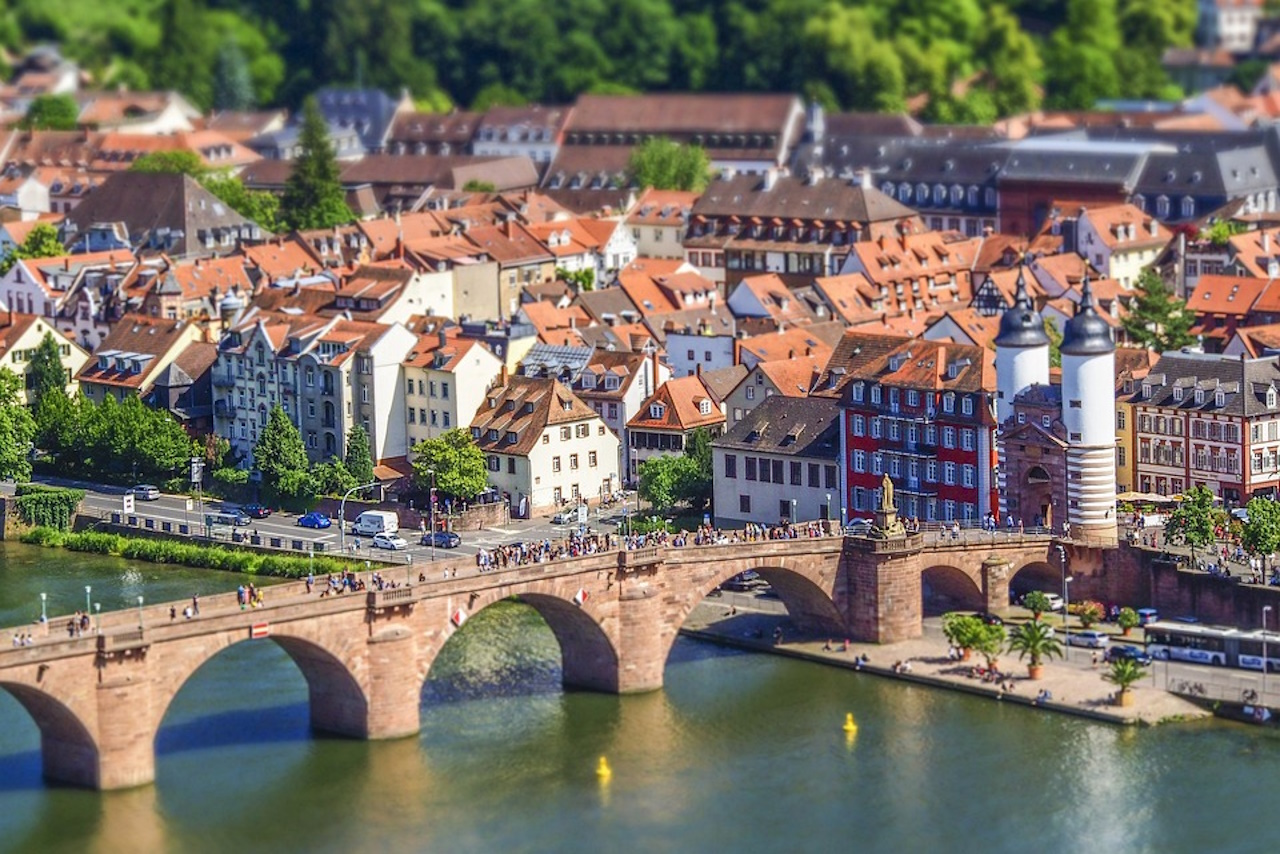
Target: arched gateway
{"x": 99, "y": 700}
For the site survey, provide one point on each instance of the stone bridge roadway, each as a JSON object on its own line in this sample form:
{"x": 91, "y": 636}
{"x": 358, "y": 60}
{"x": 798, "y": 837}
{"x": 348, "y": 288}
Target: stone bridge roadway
{"x": 98, "y": 700}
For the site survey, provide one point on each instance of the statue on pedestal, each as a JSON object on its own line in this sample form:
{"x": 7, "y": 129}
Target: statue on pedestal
{"x": 886, "y": 522}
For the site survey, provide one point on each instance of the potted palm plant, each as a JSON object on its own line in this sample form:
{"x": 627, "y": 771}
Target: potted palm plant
{"x": 1124, "y": 674}
{"x": 1035, "y": 642}
{"x": 1127, "y": 620}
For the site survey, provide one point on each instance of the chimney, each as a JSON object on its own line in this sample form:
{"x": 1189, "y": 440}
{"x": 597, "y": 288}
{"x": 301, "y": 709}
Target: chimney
{"x": 1266, "y": 241}
{"x": 770, "y": 178}
{"x": 444, "y": 336}
{"x": 502, "y": 375}
{"x": 653, "y": 357}
{"x": 697, "y": 370}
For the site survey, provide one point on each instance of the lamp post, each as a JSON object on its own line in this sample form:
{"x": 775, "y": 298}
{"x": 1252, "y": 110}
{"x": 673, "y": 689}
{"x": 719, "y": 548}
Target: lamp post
{"x": 87, "y": 590}
{"x": 1266, "y": 609}
{"x": 1062, "y": 559}
{"x": 342, "y": 514}
{"x": 432, "y": 474}
{"x": 44, "y": 615}
{"x": 140, "y": 623}
{"x": 97, "y": 616}
{"x": 826, "y": 509}
{"x": 793, "y": 511}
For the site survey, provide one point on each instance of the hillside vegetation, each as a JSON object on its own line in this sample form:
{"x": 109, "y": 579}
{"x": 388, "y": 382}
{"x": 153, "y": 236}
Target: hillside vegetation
{"x": 956, "y": 60}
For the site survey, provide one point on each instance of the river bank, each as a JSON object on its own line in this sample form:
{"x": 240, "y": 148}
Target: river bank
{"x": 1075, "y": 690}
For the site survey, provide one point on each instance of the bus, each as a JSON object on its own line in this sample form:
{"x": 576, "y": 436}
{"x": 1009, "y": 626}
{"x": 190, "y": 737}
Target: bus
{"x": 1216, "y": 645}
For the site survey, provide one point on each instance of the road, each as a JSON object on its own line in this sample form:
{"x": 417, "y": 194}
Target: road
{"x": 101, "y": 500}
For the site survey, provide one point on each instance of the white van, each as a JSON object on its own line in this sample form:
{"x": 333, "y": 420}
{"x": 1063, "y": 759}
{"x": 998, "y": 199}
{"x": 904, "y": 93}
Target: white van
{"x": 372, "y": 522}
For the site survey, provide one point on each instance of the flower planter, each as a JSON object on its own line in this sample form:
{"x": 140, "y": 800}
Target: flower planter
{"x": 1124, "y": 698}
{"x": 1035, "y": 671}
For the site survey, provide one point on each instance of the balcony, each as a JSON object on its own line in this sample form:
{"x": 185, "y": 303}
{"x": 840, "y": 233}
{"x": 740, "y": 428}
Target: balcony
{"x": 223, "y": 380}
{"x": 223, "y": 409}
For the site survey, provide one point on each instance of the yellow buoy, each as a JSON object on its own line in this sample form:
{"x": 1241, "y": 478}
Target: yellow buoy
{"x": 603, "y": 771}
{"x": 849, "y": 725}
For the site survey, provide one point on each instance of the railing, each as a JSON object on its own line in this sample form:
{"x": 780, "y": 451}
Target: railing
{"x": 390, "y": 597}
{"x": 222, "y": 409}
{"x": 223, "y": 380}
{"x": 640, "y": 557}
{"x": 122, "y": 641}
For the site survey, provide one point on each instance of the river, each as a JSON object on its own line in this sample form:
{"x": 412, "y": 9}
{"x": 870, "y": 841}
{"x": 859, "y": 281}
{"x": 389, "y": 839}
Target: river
{"x": 740, "y": 752}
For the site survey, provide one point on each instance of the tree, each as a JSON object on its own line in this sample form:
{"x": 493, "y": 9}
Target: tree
{"x": 17, "y": 430}
{"x": 1222, "y": 230}
{"x": 584, "y": 280}
{"x": 663, "y": 478}
{"x": 45, "y": 373}
{"x": 41, "y": 242}
{"x": 1037, "y": 603}
{"x": 697, "y": 487}
{"x": 1128, "y": 620}
{"x": 1158, "y": 320}
{"x": 358, "y": 461}
{"x": 1055, "y": 342}
{"x": 457, "y": 461}
{"x": 475, "y": 185}
{"x": 1035, "y": 642}
{"x": 961, "y": 630}
{"x": 332, "y": 478}
{"x": 51, "y": 112}
{"x": 667, "y": 165}
{"x": 989, "y": 643}
{"x": 1191, "y": 522}
{"x": 258, "y": 205}
{"x": 1088, "y": 612}
{"x": 1261, "y": 534}
{"x": 1124, "y": 674}
{"x": 181, "y": 161}
{"x": 281, "y": 456}
{"x": 313, "y": 196}
{"x": 232, "y": 83}
{"x": 182, "y": 59}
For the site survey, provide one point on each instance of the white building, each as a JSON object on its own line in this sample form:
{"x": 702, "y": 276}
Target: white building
{"x": 1229, "y": 24}
{"x": 446, "y": 379}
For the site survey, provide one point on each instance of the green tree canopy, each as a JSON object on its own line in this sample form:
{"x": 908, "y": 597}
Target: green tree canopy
{"x": 667, "y": 165}
{"x": 261, "y": 206}
{"x": 281, "y": 457}
{"x": 358, "y": 460}
{"x": 17, "y": 430}
{"x": 52, "y": 112}
{"x": 457, "y": 461}
{"x": 232, "y": 82}
{"x": 332, "y": 478}
{"x": 1192, "y": 521}
{"x": 41, "y": 242}
{"x": 313, "y": 196}
{"x": 663, "y": 479}
{"x": 1034, "y": 641}
{"x": 45, "y": 374}
{"x": 178, "y": 161}
{"x": 1261, "y": 534}
{"x": 1157, "y": 319}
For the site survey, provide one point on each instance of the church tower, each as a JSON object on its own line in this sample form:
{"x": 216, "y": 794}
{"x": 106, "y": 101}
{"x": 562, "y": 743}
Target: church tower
{"x": 1022, "y": 360}
{"x": 1088, "y": 413}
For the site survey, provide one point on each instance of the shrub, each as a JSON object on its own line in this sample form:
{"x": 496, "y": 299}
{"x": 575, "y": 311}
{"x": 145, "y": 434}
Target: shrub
{"x": 47, "y": 506}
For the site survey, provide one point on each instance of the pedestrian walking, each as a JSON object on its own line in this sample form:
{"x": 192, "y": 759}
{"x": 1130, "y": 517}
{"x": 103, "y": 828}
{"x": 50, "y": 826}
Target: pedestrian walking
{"x": 1095, "y": 660}
{"x": 195, "y": 604}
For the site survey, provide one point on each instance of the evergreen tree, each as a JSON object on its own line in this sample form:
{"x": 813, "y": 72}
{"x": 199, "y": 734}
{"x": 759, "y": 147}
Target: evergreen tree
{"x": 45, "y": 374}
{"x": 1158, "y": 320}
{"x": 42, "y": 242}
{"x": 17, "y": 430}
{"x": 313, "y": 196}
{"x": 281, "y": 456}
{"x": 232, "y": 84}
{"x": 359, "y": 460}
{"x": 182, "y": 58}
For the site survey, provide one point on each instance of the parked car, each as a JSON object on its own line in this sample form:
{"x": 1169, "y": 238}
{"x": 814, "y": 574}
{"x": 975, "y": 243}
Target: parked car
{"x": 145, "y": 492}
{"x": 1147, "y": 615}
{"x": 394, "y": 542}
{"x": 744, "y": 582}
{"x": 1055, "y": 601}
{"x": 565, "y": 517}
{"x": 256, "y": 511}
{"x": 858, "y": 527}
{"x": 1090, "y": 638}
{"x": 988, "y": 618}
{"x": 314, "y": 519}
{"x": 1120, "y": 651}
{"x": 442, "y": 540}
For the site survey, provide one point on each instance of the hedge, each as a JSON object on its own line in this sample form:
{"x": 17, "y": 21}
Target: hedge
{"x": 47, "y": 506}
{"x": 186, "y": 553}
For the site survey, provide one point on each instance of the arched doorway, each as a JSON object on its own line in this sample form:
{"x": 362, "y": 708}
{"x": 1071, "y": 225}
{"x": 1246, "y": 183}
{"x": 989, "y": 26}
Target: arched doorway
{"x": 1037, "y": 498}
{"x": 1039, "y": 575}
{"x": 946, "y": 588}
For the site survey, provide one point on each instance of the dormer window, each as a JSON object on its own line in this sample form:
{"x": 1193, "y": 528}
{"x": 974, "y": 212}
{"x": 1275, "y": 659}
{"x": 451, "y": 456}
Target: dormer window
{"x": 1146, "y": 389}
{"x": 657, "y": 411}
{"x": 493, "y": 435}
{"x": 857, "y": 388}
{"x": 1177, "y": 394}
{"x": 511, "y": 437}
{"x": 875, "y": 394}
{"x": 1219, "y": 399}
{"x": 704, "y": 407}
{"x": 1271, "y": 398}
{"x": 475, "y": 432}
{"x": 1199, "y": 396}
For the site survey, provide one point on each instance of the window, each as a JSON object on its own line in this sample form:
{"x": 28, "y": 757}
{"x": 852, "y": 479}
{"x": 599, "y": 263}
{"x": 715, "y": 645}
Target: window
{"x": 913, "y": 397}
{"x": 751, "y": 392}
{"x": 968, "y": 439}
{"x": 949, "y": 473}
{"x": 949, "y": 402}
{"x": 744, "y": 503}
{"x": 831, "y": 476}
{"x": 408, "y": 386}
{"x": 511, "y": 465}
{"x": 751, "y": 468}
{"x": 875, "y": 394}
{"x": 573, "y": 462}
{"x": 857, "y": 392}
{"x": 859, "y": 461}
{"x": 797, "y": 474}
{"x": 859, "y": 425}
{"x": 948, "y": 437}
{"x": 875, "y": 428}
{"x": 564, "y": 434}
{"x": 731, "y": 466}
{"x": 777, "y": 471}
{"x": 1120, "y": 419}
{"x": 444, "y": 390}
{"x": 412, "y": 412}
{"x": 970, "y": 476}
{"x": 704, "y": 407}
{"x": 966, "y": 405}
{"x": 813, "y": 475}
{"x": 555, "y": 464}
{"x": 656, "y": 411}
{"x": 432, "y": 387}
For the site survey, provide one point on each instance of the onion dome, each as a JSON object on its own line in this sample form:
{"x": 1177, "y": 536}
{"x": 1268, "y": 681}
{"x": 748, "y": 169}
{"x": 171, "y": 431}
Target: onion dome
{"x": 1021, "y": 325}
{"x": 1087, "y": 334}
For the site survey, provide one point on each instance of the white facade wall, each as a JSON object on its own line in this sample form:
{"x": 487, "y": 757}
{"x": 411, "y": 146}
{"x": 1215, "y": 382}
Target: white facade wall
{"x": 1017, "y": 369}
{"x": 387, "y": 436}
{"x": 1088, "y": 399}
{"x": 765, "y": 499}
{"x": 712, "y": 352}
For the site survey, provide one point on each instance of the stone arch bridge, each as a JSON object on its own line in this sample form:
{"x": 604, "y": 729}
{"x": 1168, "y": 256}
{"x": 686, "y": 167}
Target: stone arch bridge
{"x": 98, "y": 700}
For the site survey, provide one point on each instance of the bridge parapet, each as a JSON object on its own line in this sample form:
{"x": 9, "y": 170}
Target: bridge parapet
{"x": 893, "y": 545}
{"x": 391, "y": 597}
{"x": 122, "y": 643}
{"x": 638, "y": 558}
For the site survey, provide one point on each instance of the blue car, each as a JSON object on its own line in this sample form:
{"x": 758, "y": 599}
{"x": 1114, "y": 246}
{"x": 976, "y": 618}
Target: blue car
{"x": 314, "y": 520}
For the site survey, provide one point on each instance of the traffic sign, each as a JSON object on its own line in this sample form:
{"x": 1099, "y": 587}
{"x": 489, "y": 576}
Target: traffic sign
{"x": 127, "y": 502}
{"x": 259, "y": 630}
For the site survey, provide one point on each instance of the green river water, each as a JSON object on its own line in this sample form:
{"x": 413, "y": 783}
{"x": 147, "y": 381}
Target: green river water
{"x": 739, "y": 753}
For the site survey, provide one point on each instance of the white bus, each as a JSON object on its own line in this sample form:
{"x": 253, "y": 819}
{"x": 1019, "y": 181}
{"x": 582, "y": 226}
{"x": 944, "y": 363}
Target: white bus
{"x": 1217, "y": 645}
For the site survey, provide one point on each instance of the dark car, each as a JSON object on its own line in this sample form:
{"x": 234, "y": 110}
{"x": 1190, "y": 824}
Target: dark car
{"x": 988, "y": 618}
{"x": 1116, "y": 652}
{"x": 256, "y": 511}
{"x": 314, "y": 520}
{"x": 442, "y": 540}
{"x": 745, "y": 582}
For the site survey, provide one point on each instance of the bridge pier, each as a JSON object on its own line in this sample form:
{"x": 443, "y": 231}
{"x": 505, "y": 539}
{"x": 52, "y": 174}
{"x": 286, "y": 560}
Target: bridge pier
{"x": 885, "y": 593}
{"x": 395, "y": 691}
{"x": 995, "y": 583}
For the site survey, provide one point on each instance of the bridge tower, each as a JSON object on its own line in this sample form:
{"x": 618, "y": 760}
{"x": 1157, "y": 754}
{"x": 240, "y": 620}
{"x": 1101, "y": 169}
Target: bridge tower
{"x": 1088, "y": 413}
{"x": 1022, "y": 360}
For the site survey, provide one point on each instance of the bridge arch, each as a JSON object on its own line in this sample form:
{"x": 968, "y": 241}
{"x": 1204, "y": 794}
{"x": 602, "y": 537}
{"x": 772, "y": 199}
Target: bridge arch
{"x": 68, "y": 751}
{"x": 948, "y": 588}
{"x": 1035, "y": 574}
{"x": 337, "y": 702}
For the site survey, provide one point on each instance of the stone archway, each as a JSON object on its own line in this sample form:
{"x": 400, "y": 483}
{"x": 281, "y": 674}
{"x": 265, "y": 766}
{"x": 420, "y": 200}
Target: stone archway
{"x": 947, "y": 588}
{"x": 1037, "y": 498}
{"x": 1035, "y": 575}
{"x": 68, "y": 752}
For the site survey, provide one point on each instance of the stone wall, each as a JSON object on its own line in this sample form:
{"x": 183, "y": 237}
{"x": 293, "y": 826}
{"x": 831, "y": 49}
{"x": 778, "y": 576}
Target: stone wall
{"x": 1180, "y": 592}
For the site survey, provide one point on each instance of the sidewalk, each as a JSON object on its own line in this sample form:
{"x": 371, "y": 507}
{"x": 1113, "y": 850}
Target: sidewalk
{"x": 1075, "y": 686}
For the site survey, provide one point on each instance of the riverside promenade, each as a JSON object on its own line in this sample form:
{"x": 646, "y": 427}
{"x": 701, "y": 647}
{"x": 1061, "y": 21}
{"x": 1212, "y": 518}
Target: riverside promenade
{"x": 1076, "y": 687}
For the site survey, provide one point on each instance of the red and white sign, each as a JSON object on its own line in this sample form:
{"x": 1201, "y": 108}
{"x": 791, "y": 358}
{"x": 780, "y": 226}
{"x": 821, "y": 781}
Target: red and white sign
{"x": 260, "y": 630}
{"x": 458, "y": 617}
{"x": 580, "y": 597}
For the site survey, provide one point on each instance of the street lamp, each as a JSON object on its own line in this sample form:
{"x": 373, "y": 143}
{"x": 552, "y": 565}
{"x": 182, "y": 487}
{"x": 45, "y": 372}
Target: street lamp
{"x": 44, "y": 616}
{"x": 97, "y": 615}
{"x": 826, "y": 509}
{"x": 793, "y": 511}
{"x": 87, "y": 591}
{"x": 342, "y": 514}
{"x": 1062, "y": 559}
{"x": 140, "y": 624}
{"x": 432, "y": 474}
{"x": 1266, "y": 609}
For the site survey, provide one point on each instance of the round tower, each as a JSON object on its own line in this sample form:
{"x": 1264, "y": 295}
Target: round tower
{"x": 1022, "y": 360}
{"x": 1088, "y": 413}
